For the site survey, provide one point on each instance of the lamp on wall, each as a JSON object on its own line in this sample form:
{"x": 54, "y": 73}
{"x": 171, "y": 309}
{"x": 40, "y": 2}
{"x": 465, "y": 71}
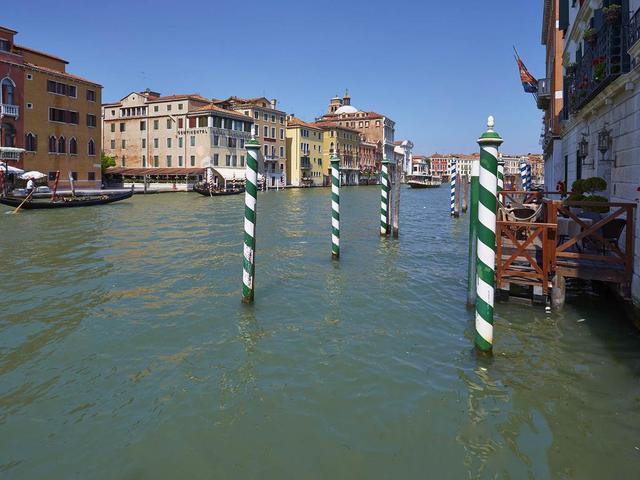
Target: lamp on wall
{"x": 604, "y": 142}
{"x": 583, "y": 150}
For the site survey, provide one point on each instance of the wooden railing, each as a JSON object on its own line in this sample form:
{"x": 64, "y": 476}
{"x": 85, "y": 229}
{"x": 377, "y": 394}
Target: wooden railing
{"x": 525, "y": 253}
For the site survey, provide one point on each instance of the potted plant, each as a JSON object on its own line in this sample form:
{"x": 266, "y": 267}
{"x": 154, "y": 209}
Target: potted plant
{"x": 590, "y": 36}
{"x": 584, "y": 191}
{"x": 612, "y": 13}
{"x": 599, "y": 69}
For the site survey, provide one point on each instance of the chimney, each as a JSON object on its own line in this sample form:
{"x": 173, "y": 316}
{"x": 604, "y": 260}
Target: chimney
{"x": 273, "y": 103}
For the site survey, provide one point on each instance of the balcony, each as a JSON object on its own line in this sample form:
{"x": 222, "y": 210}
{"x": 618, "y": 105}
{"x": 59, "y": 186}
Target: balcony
{"x": 305, "y": 163}
{"x": 544, "y": 93}
{"x": 7, "y": 110}
{"x": 602, "y": 61}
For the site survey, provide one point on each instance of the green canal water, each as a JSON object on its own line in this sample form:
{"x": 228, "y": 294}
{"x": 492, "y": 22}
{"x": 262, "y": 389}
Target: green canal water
{"x": 125, "y": 352}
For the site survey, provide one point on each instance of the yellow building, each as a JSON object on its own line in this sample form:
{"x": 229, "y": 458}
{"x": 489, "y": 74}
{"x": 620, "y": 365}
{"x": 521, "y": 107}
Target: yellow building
{"x": 346, "y": 142}
{"x": 304, "y": 153}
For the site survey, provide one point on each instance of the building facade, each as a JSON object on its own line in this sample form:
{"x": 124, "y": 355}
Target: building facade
{"x": 370, "y": 160}
{"x": 52, "y": 114}
{"x": 345, "y": 142}
{"x": 403, "y": 151}
{"x": 270, "y": 130}
{"x": 304, "y": 153}
{"x": 440, "y": 165}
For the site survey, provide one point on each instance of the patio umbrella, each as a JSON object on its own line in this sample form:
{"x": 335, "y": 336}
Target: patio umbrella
{"x": 15, "y": 170}
{"x": 32, "y": 174}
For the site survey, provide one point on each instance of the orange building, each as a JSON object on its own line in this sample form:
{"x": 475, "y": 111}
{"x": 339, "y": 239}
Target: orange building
{"x": 58, "y": 114}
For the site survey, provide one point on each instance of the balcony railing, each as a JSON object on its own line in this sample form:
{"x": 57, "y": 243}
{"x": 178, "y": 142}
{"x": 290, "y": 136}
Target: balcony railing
{"x": 305, "y": 163}
{"x": 544, "y": 93}
{"x": 602, "y": 61}
{"x": 7, "y": 110}
{"x": 634, "y": 28}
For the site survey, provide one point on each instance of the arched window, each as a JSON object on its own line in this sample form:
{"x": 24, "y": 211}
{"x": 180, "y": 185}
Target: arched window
{"x": 7, "y": 90}
{"x": 8, "y": 135}
{"x": 73, "y": 146}
{"x": 53, "y": 144}
{"x": 30, "y": 142}
{"x": 91, "y": 147}
{"x": 62, "y": 145}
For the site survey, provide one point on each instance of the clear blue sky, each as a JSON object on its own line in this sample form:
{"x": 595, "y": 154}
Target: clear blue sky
{"x": 451, "y": 61}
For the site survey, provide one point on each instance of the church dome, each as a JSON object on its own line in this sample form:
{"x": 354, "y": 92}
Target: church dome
{"x": 346, "y": 109}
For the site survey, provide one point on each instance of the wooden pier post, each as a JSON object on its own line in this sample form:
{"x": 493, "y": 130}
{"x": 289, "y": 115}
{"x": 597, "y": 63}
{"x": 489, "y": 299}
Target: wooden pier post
{"x": 558, "y": 292}
{"x": 250, "y": 215}
{"x": 489, "y": 142}
{"x": 465, "y": 193}
{"x": 335, "y": 206}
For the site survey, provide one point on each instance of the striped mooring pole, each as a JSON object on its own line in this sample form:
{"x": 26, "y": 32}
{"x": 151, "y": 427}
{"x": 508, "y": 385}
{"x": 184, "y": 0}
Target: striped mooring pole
{"x": 250, "y": 202}
{"x": 335, "y": 205}
{"x": 384, "y": 197}
{"x": 500, "y": 175}
{"x": 454, "y": 179}
{"x": 473, "y": 234}
{"x": 523, "y": 176}
{"x": 528, "y": 177}
{"x": 489, "y": 142}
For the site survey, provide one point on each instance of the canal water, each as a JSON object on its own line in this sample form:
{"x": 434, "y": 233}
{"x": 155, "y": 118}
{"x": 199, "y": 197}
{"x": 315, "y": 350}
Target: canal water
{"x": 125, "y": 352}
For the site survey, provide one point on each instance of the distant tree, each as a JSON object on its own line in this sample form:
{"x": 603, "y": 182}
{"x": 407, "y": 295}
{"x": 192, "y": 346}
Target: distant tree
{"x": 107, "y": 161}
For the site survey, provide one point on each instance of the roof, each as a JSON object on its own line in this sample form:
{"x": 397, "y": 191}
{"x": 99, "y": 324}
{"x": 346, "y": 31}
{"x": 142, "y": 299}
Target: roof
{"x": 62, "y": 74}
{"x": 212, "y": 107}
{"x": 153, "y": 171}
{"x": 296, "y": 122}
{"x": 355, "y": 115}
{"x": 45, "y": 54}
{"x": 7, "y": 29}
{"x": 327, "y": 124}
{"x": 183, "y": 96}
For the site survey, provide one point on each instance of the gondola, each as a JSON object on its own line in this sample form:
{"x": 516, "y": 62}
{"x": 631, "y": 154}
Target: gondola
{"x": 65, "y": 201}
{"x": 203, "y": 189}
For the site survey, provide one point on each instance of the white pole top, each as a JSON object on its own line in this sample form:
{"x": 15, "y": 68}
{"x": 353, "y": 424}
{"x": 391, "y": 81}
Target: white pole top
{"x": 490, "y": 123}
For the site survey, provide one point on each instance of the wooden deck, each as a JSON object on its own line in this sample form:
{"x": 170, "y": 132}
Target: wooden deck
{"x": 533, "y": 253}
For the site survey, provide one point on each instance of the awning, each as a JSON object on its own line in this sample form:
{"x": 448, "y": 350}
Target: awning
{"x": 230, "y": 173}
{"x": 140, "y": 172}
{"x": 3, "y": 168}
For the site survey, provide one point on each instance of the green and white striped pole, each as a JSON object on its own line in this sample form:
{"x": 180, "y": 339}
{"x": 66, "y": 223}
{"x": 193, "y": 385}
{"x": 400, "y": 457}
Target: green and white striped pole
{"x": 500, "y": 175}
{"x": 250, "y": 202}
{"x": 384, "y": 199}
{"x": 473, "y": 234}
{"x": 489, "y": 142}
{"x": 335, "y": 205}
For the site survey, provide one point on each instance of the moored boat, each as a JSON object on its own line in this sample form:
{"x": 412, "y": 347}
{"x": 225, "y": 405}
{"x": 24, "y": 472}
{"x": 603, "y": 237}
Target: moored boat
{"x": 64, "y": 201}
{"x": 424, "y": 181}
{"x": 207, "y": 191}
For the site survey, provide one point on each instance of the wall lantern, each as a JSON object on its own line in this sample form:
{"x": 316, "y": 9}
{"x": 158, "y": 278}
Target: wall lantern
{"x": 583, "y": 147}
{"x": 604, "y": 141}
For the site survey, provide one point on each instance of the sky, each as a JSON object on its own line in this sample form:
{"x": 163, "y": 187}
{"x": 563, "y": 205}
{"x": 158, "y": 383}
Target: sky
{"x": 438, "y": 69}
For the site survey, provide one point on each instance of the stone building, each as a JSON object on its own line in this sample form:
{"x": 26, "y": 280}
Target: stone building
{"x": 346, "y": 142}
{"x": 304, "y": 153}
{"x": 52, "y": 114}
{"x": 270, "y": 130}
{"x": 403, "y": 151}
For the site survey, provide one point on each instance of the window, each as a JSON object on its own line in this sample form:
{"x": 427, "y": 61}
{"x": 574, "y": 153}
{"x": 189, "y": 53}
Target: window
{"x": 91, "y": 95}
{"x": 144, "y": 160}
{"x": 216, "y": 140}
{"x": 113, "y": 127}
{"x": 122, "y": 127}
{"x": 273, "y": 119}
{"x": 168, "y": 160}
{"x": 30, "y": 106}
{"x": 156, "y": 124}
{"x": 180, "y": 123}
{"x": 179, "y": 160}
{"x": 168, "y": 123}
{"x": 5, "y": 46}
{"x": 242, "y": 160}
{"x": 266, "y": 150}
{"x": 256, "y": 115}
{"x": 30, "y": 142}
{"x": 29, "y": 76}
{"x": 156, "y": 161}
{"x": 155, "y": 143}
{"x": 192, "y": 122}
{"x": 232, "y": 142}
{"x": 202, "y": 122}
{"x": 91, "y": 148}
{"x": 228, "y": 160}
{"x": 74, "y": 175}
{"x": 62, "y": 145}
{"x": 179, "y": 106}
{"x": 273, "y": 151}
{"x": 169, "y": 108}
{"x": 242, "y": 143}
{"x": 52, "y": 176}
{"x": 113, "y": 144}
{"x": 73, "y": 91}
{"x": 91, "y": 176}
{"x": 282, "y": 134}
{"x": 124, "y": 144}
{"x": 282, "y": 152}
{"x": 180, "y": 142}
{"x": 123, "y": 162}
{"x": 168, "y": 142}
{"x": 143, "y": 125}
{"x": 281, "y": 120}
{"x": 234, "y": 160}
{"x": 56, "y": 87}
{"x": 192, "y": 140}
{"x": 144, "y": 143}
{"x": 91, "y": 120}
{"x": 265, "y": 117}
{"x": 273, "y": 132}
{"x": 73, "y": 146}
{"x": 215, "y": 159}
{"x": 377, "y": 123}
{"x": 257, "y": 130}
{"x": 266, "y": 131}
{"x": 155, "y": 108}
{"x": 193, "y": 160}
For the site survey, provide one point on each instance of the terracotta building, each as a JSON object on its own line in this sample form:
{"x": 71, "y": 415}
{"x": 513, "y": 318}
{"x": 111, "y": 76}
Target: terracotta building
{"x": 54, "y": 115}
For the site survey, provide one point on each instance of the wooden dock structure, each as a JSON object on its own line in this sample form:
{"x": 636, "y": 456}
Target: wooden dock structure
{"x": 541, "y": 241}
